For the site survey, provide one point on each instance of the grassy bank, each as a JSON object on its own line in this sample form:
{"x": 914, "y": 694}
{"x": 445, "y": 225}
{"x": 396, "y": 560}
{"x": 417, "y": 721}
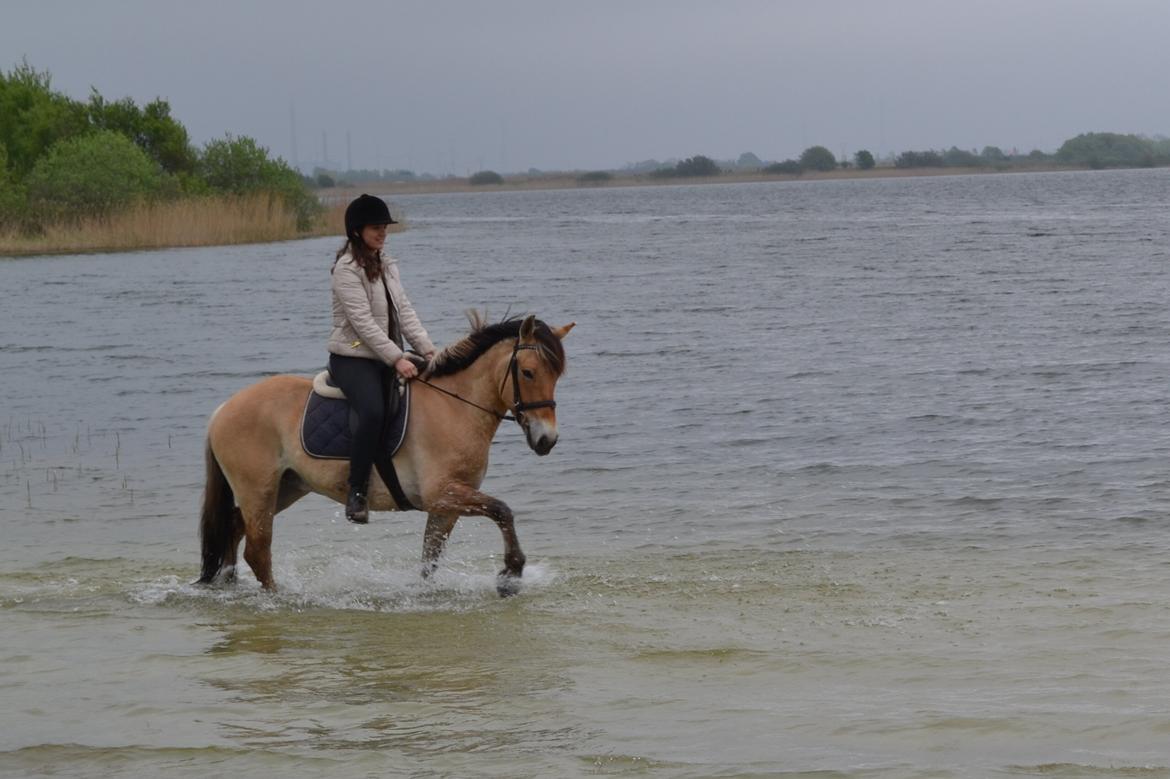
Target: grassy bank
{"x": 204, "y": 221}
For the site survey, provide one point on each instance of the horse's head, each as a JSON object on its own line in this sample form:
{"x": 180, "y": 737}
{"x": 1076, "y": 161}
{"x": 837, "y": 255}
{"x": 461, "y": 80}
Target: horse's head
{"x": 537, "y": 361}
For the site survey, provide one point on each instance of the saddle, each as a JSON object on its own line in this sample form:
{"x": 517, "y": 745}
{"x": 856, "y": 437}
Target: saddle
{"x": 326, "y": 425}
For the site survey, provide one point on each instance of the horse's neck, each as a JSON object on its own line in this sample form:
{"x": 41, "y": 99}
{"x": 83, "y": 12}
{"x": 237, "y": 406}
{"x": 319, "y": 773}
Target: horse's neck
{"x": 480, "y": 384}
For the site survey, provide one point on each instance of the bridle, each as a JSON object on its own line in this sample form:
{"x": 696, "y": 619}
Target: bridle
{"x": 519, "y": 406}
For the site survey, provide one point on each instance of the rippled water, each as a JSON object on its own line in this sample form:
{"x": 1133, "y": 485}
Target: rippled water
{"x": 857, "y": 479}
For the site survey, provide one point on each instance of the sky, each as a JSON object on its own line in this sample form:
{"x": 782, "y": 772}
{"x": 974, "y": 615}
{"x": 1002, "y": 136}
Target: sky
{"x": 452, "y": 87}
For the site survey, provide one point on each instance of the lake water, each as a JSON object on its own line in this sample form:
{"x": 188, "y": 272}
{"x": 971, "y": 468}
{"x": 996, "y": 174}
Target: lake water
{"x": 855, "y": 479}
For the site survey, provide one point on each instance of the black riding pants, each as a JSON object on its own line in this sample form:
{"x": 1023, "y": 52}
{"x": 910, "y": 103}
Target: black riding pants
{"x": 367, "y": 385}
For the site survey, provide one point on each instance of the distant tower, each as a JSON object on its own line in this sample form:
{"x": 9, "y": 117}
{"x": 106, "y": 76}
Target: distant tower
{"x": 292, "y": 133}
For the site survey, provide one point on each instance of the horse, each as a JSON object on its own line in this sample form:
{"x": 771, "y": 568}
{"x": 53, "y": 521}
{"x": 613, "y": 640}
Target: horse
{"x": 257, "y": 467}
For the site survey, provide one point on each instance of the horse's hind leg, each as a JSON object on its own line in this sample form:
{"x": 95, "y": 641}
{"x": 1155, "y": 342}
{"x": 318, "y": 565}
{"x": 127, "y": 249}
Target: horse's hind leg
{"x": 258, "y": 511}
{"x": 230, "y": 556}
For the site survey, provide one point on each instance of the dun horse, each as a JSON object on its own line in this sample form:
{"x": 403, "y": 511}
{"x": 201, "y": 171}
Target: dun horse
{"x": 256, "y": 466}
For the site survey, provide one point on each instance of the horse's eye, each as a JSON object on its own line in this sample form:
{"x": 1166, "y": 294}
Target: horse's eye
{"x": 527, "y": 373}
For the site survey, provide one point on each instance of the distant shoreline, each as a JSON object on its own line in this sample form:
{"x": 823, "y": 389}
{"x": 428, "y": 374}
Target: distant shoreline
{"x": 121, "y": 234}
{"x": 523, "y": 183}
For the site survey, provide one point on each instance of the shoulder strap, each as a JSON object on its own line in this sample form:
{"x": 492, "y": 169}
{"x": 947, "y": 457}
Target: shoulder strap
{"x": 394, "y": 334}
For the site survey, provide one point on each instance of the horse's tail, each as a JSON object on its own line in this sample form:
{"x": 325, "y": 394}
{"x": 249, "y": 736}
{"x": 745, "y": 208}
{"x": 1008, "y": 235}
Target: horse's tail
{"x": 215, "y": 526}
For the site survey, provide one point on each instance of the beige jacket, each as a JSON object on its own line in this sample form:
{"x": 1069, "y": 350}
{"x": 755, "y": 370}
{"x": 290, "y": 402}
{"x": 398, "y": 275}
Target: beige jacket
{"x": 361, "y": 317}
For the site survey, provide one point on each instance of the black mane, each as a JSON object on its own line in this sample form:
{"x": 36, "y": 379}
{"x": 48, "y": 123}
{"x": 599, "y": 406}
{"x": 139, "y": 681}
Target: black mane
{"x": 483, "y": 336}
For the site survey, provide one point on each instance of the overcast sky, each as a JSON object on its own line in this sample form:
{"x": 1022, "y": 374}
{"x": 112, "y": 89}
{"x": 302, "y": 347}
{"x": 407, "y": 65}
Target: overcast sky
{"x": 442, "y": 86}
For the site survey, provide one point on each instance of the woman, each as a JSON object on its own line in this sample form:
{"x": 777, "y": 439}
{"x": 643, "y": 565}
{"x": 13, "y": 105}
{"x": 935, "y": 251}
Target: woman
{"x": 371, "y": 316}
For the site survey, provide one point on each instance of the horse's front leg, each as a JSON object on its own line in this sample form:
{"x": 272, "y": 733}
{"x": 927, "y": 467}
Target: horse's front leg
{"x": 462, "y": 500}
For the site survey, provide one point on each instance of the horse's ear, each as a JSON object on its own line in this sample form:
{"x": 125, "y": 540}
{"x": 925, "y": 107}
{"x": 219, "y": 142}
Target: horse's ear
{"x": 561, "y": 332}
{"x": 528, "y": 328}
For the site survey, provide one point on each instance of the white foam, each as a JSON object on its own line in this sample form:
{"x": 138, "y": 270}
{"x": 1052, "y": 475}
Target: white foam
{"x": 363, "y": 580}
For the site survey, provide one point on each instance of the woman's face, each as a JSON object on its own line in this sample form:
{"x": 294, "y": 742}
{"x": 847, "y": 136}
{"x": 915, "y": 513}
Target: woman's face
{"x": 374, "y": 236}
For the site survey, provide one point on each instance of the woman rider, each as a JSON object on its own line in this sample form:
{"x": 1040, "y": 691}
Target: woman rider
{"x": 371, "y": 316}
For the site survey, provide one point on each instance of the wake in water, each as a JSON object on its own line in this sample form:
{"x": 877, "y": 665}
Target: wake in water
{"x": 361, "y": 581}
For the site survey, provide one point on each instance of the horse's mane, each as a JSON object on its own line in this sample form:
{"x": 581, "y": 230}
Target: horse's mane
{"x": 484, "y": 336}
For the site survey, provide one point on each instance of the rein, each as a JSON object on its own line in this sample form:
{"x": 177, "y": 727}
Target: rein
{"x": 518, "y": 405}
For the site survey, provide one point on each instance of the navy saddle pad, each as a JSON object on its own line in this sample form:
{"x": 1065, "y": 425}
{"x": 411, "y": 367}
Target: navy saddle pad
{"x": 325, "y": 427}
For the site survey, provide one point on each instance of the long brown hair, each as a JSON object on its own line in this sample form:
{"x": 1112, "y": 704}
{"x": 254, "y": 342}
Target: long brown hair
{"x": 367, "y": 259}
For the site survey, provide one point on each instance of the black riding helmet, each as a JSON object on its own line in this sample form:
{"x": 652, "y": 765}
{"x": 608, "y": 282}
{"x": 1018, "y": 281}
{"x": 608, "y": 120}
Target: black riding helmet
{"x": 366, "y": 210}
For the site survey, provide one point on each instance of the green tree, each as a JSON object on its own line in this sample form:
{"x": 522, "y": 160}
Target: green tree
{"x": 817, "y": 158}
{"x": 993, "y": 155}
{"x": 12, "y": 196}
{"x": 788, "y": 167}
{"x": 864, "y": 159}
{"x": 698, "y": 165}
{"x": 919, "y": 159}
{"x": 239, "y": 165}
{"x": 33, "y": 117}
{"x": 749, "y": 161}
{"x": 595, "y": 177}
{"x": 152, "y": 127}
{"x": 91, "y": 175}
{"x": 485, "y": 177}
{"x": 1110, "y": 150}
{"x": 955, "y": 157}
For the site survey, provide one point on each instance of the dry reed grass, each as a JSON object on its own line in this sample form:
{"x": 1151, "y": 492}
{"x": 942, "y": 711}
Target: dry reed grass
{"x": 203, "y": 221}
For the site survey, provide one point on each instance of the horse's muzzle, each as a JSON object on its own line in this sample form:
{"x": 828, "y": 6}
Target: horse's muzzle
{"x": 543, "y": 444}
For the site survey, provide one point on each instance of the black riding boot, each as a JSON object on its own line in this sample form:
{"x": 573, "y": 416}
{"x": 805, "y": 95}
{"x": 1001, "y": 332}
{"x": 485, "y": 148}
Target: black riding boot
{"x": 357, "y": 508}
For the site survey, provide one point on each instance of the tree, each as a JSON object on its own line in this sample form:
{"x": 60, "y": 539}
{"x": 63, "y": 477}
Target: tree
{"x": 152, "y": 127}
{"x": 955, "y": 157}
{"x": 12, "y": 196}
{"x": 91, "y": 175}
{"x": 697, "y": 166}
{"x": 749, "y": 160}
{"x": 788, "y": 167}
{"x": 239, "y": 165}
{"x": 817, "y": 158}
{"x": 919, "y": 159}
{"x": 484, "y": 177}
{"x": 864, "y": 159}
{"x": 595, "y": 177}
{"x": 1110, "y": 150}
{"x": 33, "y": 117}
{"x": 993, "y": 155}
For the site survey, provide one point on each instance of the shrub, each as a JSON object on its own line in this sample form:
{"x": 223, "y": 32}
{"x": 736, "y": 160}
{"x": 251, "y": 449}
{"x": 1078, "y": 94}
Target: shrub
{"x": 595, "y": 177}
{"x": 817, "y": 158}
{"x": 152, "y": 127}
{"x": 919, "y": 159}
{"x": 241, "y": 166}
{"x": 697, "y": 166}
{"x": 1109, "y": 150}
{"x": 485, "y": 177}
{"x": 864, "y": 159}
{"x": 788, "y": 167}
{"x": 91, "y": 176}
{"x": 33, "y": 117}
{"x": 13, "y": 202}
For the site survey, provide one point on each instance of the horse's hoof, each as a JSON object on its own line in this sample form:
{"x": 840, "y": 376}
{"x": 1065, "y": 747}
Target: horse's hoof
{"x": 507, "y": 585}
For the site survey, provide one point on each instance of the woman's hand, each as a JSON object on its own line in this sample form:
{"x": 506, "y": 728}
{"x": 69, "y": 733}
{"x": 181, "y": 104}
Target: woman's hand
{"x": 406, "y": 368}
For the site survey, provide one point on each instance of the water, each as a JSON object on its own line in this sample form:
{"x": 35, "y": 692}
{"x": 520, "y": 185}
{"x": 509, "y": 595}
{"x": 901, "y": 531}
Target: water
{"x": 855, "y": 479}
